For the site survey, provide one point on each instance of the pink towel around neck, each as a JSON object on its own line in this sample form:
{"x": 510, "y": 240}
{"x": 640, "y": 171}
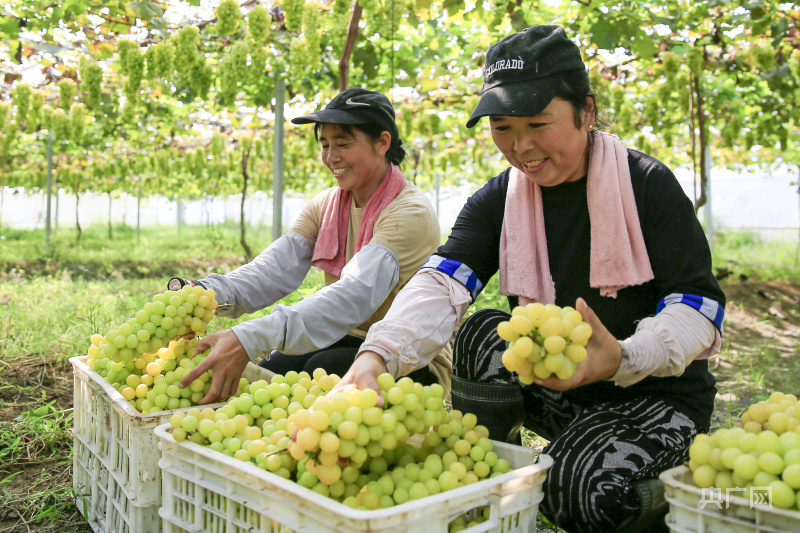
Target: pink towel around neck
{"x": 618, "y": 256}
{"x": 329, "y": 251}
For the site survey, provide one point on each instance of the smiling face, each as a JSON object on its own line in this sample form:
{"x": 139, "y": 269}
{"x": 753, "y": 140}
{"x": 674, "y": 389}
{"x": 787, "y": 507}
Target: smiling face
{"x": 357, "y": 162}
{"x": 549, "y": 148}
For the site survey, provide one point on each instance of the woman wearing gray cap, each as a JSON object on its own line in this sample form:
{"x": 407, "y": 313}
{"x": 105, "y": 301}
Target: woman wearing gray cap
{"x": 577, "y": 219}
{"x": 369, "y": 235}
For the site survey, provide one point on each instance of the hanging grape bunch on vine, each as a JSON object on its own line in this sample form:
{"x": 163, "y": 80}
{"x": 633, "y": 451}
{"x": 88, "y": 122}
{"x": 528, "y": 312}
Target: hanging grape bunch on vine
{"x": 194, "y": 73}
{"x": 258, "y": 24}
{"x": 294, "y": 14}
{"x": 21, "y": 96}
{"x": 91, "y": 76}
{"x": 35, "y": 112}
{"x": 228, "y": 17}
{"x": 67, "y": 90}
{"x": 160, "y": 60}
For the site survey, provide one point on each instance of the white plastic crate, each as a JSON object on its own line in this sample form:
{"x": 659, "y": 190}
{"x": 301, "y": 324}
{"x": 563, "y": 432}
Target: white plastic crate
{"x": 115, "y": 454}
{"x": 207, "y": 491}
{"x": 692, "y": 511}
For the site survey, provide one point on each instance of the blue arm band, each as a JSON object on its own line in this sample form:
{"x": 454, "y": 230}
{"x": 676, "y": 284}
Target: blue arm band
{"x": 706, "y": 306}
{"x": 458, "y": 271}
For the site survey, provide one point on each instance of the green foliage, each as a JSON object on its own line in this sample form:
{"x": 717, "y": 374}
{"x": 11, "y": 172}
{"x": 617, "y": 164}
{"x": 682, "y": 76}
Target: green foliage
{"x": 164, "y": 84}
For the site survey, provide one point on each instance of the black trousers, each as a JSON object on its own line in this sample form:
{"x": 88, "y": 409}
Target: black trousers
{"x": 600, "y": 451}
{"x": 335, "y": 359}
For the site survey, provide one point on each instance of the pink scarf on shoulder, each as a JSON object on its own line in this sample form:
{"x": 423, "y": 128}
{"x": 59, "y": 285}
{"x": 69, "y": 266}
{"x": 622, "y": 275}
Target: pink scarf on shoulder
{"x": 618, "y": 256}
{"x": 329, "y": 251}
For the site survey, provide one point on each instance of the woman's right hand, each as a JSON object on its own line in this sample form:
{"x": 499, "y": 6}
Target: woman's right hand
{"x": 227, "y": 361}
{"x": 363, "y": 374}
{"x": 602, "y": 362}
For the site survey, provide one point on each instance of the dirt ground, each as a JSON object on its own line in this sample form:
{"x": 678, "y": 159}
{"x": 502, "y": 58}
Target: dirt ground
{"x": 761, "y": 343}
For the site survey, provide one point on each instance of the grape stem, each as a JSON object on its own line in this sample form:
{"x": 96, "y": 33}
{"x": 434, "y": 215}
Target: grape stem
{"x": 279, "y": 450}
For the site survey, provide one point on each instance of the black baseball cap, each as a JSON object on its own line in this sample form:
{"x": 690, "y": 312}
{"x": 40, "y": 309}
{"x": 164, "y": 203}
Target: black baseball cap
{"x": 356, "y": 106}
{"x": 523, "y": 71}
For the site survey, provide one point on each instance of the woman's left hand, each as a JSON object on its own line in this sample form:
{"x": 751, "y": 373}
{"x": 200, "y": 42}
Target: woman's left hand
{"x": 363, "y": 374}
{"x": 604, "y": 355}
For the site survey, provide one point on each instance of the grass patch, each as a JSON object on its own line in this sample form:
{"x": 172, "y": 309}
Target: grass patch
{"x": 746, "y": 253}
{"x": 158, "y": 248}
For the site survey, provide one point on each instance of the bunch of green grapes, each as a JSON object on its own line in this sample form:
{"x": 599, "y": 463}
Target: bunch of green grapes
{"x": 336, "y": 28}
{"x": 128, "y": 116}
{"x": 228, "y": 82}
{"x": 694, "y": 58}
{"x": 188, "y": 56}
{"x": 160, "y": 59}
{"x": 35, "y": 111}
{"x": 141, "y": 165}
{"x": 67, "y": 90}
{"x": 60, "y": 125}
{"x": 258, "y": 24}
{"x": 730, "y": 134}
{"x": 233, "y": 159}
{"x": 5, "y": 111}
{"x": 228, "y": 17}
{"x": 259, "y": 56}
{"x": 201, "y": 77}
{"x": 135, "y": 70}
{"x": 312, "y": 36}
{"x": 381, "y": 19}
{"x": 164, "y": 318}
{"x": 763, "y": 57}
{"x": 238, "y": 55}
{"x": 468, "y": 520}
{"x": 217, "y": 145}
{"x": 783, "y": 137}
{"x": 671, "y": 64}
{"x": 246, "y": 141}
{"x": 21, "y": 96}
{"x": 258, "y": 146}
{"x": 544, "y": 340}
{"x": 150, "y": 62}
{"x": 188, "y": 161}
{"x": 341, "y": 7}
{"x": 374, "y": 16}
{"x": 299, "y": 58}
{"x": 78, "y": 117}
{"x": 123, "y": 47}
{"x": 150, "y": 383}
{"x": 345, "y": 447}
{"x": 651, "y": 111}
{"x": 163, "y": 162}
{"x": 91, "y": 75}
{"x": 351, "y": 426}
{"x": 260, "y": 406}
{"x": 294, "y": 10}
{"x": 200, "y": 162}
{"x": 668, "y": 137}
{"x": 764, "y": 453}
{"x": 664, "y": 91}
{"x": 794, "y": 64}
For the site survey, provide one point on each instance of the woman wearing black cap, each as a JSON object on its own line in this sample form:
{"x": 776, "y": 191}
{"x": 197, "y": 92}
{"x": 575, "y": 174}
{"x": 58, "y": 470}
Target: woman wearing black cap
{"x": 578, "y": 219}
{"x": 369, "y": 234}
